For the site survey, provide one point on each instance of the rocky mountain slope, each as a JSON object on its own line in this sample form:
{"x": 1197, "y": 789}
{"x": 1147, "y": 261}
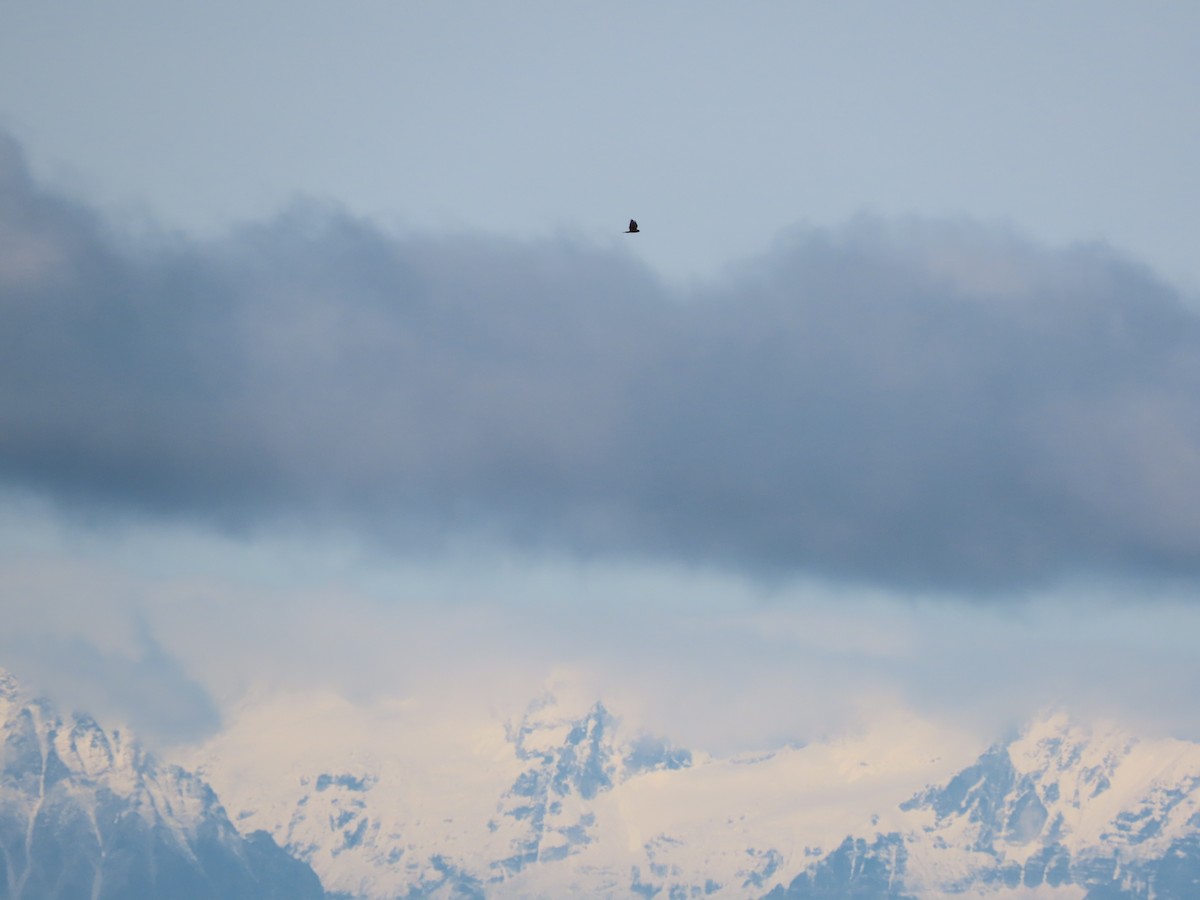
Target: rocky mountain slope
{"x": 1085, "y": 811}
{"x": 86, "y": 813}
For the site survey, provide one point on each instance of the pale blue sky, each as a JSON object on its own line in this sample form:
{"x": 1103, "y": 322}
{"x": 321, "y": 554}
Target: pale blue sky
{"x": 714, "y": 124}
{"x": 853, "y": 416}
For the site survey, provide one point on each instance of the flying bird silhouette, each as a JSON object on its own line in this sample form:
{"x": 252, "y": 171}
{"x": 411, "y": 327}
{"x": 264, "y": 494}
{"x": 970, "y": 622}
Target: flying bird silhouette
{"x": 632, "y": 227}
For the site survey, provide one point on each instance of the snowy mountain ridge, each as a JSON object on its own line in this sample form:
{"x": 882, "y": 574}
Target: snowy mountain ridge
{"x": 87, "y": 813}
{"x": 404, "y": 799}
{"x": 1068, "y": 804}
{"x": 562, "y": 801}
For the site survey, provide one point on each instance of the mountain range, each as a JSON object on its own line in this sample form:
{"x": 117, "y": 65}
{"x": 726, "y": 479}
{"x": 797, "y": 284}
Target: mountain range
{"x": 565, "y": 801}
{"x": 397, "y": 799}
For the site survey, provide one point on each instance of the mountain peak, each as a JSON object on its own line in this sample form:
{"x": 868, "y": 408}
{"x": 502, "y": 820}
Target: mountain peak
{"x": 86, "y": 812}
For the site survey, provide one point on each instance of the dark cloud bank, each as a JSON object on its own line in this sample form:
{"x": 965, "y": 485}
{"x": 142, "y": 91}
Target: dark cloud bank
{"x": 928, "y": 404}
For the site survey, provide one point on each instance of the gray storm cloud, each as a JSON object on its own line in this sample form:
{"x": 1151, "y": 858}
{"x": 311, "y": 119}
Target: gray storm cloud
{"x": 915, "y": 403}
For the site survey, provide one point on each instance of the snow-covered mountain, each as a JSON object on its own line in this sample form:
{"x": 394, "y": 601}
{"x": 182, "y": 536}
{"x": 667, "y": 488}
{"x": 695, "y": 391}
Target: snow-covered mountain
{"x": 86, "y": 813}
{"x": 560, "y": 800}
{"x": 563, "y": 800}
{"x": 1060, "y": 810}
{"x": 397, "y": 799}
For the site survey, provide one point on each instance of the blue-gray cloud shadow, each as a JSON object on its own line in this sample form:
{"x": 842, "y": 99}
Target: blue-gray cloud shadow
{"x": 875, "y": 403}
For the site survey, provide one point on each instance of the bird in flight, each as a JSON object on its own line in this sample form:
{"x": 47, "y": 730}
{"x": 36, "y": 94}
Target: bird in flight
{"x": 632, "y": 227}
